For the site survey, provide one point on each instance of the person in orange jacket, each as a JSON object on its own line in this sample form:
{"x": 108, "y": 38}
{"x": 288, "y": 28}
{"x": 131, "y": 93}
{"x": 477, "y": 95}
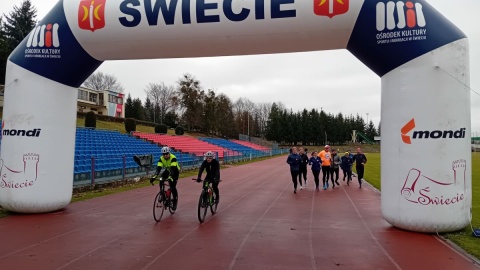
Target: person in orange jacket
{"x": 325, "y": 156}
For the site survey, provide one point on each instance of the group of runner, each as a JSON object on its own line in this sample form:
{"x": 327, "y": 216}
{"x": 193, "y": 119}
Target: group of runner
{"x": 328, "y": 162}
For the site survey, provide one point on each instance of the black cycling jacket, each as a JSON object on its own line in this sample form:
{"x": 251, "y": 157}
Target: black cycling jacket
{"x": 212, "y": 168}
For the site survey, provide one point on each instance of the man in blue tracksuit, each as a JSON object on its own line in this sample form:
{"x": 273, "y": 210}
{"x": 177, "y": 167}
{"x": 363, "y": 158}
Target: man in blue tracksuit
{"x": 346, "y": 165}
{"x": 294, "y": 160}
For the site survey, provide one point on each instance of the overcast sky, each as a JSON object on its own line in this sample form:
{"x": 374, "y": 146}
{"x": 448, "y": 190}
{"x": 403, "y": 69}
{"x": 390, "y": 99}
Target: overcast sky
{"x": 333, "y": 80}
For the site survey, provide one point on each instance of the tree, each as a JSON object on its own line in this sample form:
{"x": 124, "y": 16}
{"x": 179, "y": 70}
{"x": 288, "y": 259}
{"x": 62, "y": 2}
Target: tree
{"x": 225, "y": 118}
{"x": 13, "y": 30}
{"x": 4, "y": 52}
{"x": 371, "y": 132}
{"x": 171, "y": 119}
{"x": 263, "y": 110}
{"x": 148, "y": 110}
{"x": 129, "y": 107}
{"x": 137, "y": 109}
{"x": 209, "y": 111}
{"x": 274, "y": 129}
{"x": 191, "y": 100}
{"x": 163, "y": 98}
{"x": 102, "y": 81}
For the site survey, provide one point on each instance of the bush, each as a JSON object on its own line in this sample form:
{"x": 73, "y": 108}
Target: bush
{"x": 130, "y": 125}
{"x": 91, "y": 120}
{"x": 162, "y": 129}
{"x": 179, "y": 130}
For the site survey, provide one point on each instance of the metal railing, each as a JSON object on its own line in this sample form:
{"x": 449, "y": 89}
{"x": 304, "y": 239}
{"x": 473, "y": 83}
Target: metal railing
{"x": 106, "y": 168}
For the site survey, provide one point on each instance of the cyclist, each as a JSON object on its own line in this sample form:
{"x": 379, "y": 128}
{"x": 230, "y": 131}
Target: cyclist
{"x": 212, "y": 166}
{"x": 168, "y": 161}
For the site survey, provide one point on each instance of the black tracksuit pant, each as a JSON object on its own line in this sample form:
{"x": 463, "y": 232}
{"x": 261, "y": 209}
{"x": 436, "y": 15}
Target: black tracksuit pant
{"x": 326, "y": 174}
{"x": 302, "y": 172}
{"x": 294, "y": 178}
{"x": 316, "y": 177}
{"x": 360, "y": 172}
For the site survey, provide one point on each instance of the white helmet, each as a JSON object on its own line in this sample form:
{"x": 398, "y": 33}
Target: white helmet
{"x": 209, "y": 154}
{"x": 165, "y": 150}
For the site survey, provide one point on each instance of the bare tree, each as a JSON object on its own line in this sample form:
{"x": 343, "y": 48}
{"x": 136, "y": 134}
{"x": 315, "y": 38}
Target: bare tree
{"x": 163, "y": 98}
{"x": 263, "y": 110}
{"x": 102, "y": 81}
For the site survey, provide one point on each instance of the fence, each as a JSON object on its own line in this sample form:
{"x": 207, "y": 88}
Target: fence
{"x": 104, "y": 169}
{"x": 239, "y": 156}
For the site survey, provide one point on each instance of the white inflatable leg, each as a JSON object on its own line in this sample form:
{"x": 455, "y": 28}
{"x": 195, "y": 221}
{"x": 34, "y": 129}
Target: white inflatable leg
{"x": 426, "y": 157}
{"x": 38, "y": 143}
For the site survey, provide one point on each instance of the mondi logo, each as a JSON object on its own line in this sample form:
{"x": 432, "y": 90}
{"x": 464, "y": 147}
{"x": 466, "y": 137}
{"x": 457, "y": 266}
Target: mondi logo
{"x": 20, "y": 132}
{"x": 407, "y": 15}
{"x": 426, "y": 134}
{"x": 44, "y": 36}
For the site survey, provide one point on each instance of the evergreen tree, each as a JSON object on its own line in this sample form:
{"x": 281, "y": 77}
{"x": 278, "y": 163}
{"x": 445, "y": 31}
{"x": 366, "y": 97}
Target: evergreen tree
{"x": 371, "y": 132}
{"x": 137, "y": 109}
{"x": 148, "y": 112}
{"x": 129, "y": 107}
{"x": 14, "y": 27}
{"x": 171, "y": 119}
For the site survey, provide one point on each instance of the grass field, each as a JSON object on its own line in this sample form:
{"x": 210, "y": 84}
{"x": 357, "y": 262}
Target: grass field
{"x": 462, "y": 238}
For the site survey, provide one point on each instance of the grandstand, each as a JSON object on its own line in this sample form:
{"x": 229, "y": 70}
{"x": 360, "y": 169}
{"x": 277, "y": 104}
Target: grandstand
{"x": 251, "y": 145}
{"x": 110, "y": 152}
{"x": 107, "y": 155}
{"x": 183, "y": 143}
{"x": 228, "y": 144}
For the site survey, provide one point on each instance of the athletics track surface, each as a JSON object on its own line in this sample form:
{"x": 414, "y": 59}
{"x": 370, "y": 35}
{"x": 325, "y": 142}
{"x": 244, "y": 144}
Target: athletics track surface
{"x": 260, "y": 224}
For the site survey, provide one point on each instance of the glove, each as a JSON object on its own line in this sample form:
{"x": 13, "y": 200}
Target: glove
{"x": 152, "y": 180}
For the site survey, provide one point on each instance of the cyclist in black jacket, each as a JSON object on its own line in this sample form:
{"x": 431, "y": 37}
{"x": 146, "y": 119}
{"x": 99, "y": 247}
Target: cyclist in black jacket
{"x": 213, "y": 172}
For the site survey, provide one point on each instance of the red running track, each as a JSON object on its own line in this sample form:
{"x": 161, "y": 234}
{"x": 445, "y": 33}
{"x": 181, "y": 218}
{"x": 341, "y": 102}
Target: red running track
{"x": 260, "y": 224}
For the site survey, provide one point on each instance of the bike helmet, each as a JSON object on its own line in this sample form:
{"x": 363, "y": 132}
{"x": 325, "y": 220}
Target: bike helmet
{"x": 209, "y": 154}
{"x": 165, "y": 150}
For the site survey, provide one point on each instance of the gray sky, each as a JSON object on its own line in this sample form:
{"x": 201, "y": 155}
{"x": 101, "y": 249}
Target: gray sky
{"x": 333, "y": 80}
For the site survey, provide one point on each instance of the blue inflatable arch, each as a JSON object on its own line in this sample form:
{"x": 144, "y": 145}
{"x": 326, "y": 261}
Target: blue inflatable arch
{"x": 421, "y": 57}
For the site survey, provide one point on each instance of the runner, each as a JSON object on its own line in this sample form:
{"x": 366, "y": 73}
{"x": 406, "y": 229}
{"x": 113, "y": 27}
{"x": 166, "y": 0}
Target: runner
{"x": 335, "y": 166}
{"x": 325, "y": 156}
{"x": 346, "y": 166}
{"x": 303, "y": 168}
{"x": 315, "y": 162}
{"x": 294, "y": 160}
{"x": 360, "y": 160}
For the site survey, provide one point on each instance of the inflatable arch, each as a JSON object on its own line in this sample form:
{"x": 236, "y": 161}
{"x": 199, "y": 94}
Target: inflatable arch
{"x": 421, "y": 57}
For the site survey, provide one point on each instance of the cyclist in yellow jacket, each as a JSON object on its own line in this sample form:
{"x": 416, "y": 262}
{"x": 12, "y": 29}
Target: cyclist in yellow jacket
{"x": 169, "y": 163}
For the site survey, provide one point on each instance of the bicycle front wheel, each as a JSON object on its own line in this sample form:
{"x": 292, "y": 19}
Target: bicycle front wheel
{"x": 170, "y": 207}
{"x": 213, "y": 204}
{"x": 202, "y": 207}
{"x": 158, "y": 207}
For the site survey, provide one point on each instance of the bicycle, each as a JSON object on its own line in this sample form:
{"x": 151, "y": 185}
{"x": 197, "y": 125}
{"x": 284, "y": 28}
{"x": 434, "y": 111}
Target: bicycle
{"x": 207, "y": 199}
{"x": 163, "y": 200}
